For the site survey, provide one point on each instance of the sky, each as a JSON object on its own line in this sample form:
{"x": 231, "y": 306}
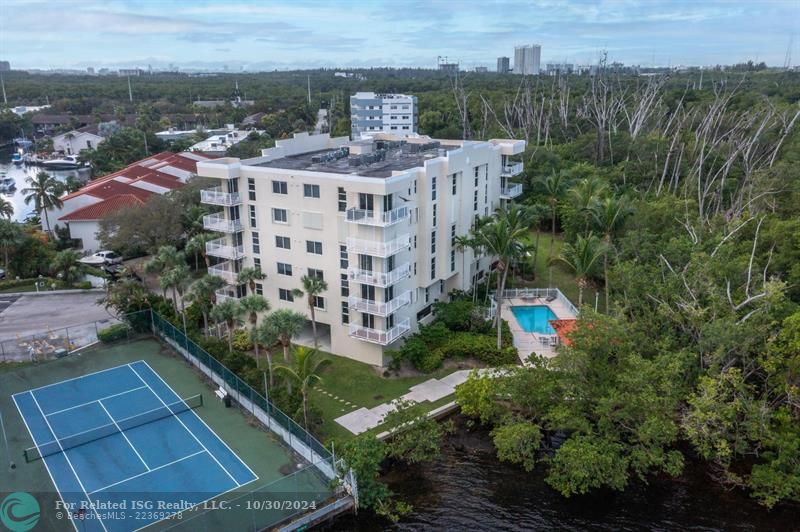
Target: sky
{"x": 290, "y": 34}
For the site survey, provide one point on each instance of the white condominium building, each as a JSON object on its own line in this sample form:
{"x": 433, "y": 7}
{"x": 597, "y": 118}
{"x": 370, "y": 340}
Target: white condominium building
{"x": 527, "y": 59}
{"x": 377, "y": 219}
{"x": 372, "y": 113}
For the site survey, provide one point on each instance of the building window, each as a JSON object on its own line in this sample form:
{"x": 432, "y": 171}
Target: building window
{"x": 405, "y": 127}
{"x": 283, "y": 242}
{"x": 252, "y": 209}
{"x": 427, "y": 295}
{"x": 319, "y": 274}
{"x": 285, "y": 294}
{"x": 434, "y": 215}
{"x": 475, "y": 201}
{"x": 259, "y": 289}
{"x": 433, "y": 267}
{"x": 251, "y": 188}
{"x": 433, "y": 242}
{"x": 433, "y": 188}
{"x": 415, "y": 186}
{"x": 453, "y": 236}
{"x": 345, "y": 313}
{"x": 256, "y": 243}
{"x": 280, "y": 187}
{"x": 452, "y": 260}
{"x": 319, "y": 302}
{"x": 310, "y": 191}
{"x": 312, "y": 246}
{"x": 342, "y": 199}
{"x": 345, "y": 283}
{"x": 280, "y": 216}
{"x": 343, "y": 260}
{"x": 476, "y": 174}
{"x": 284, "y": 269}
{"x": 455, "y": 185}
{"x": 257, "y": 263}
{"x": 392, "y": 127}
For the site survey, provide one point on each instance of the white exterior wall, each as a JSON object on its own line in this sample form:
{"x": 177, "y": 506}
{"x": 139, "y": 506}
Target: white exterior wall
{"x": 319, "y": 219}
{"x": 77, "y": 143}
{"x": 87, "y": 232}
{"x": 69, "y": 206}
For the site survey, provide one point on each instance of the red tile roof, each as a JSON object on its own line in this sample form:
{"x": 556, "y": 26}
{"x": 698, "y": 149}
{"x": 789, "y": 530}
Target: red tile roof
{"x": 108, "y": 188}
{"x": 563, "y": 328}
{"x": 100, "y": 210}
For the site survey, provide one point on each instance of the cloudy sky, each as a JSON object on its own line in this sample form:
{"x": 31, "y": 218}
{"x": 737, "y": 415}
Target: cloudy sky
{"x": 269, "y": 34}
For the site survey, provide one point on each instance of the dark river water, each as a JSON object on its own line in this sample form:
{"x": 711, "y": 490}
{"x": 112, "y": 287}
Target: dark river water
{"x": 468, "y": 489}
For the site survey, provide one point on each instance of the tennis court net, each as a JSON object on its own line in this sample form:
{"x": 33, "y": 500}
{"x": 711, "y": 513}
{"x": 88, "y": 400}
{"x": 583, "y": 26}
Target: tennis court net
{"x": 114, "y": 427}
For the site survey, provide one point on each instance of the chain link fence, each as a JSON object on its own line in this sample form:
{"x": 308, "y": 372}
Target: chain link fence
{"x": 52, "y": 344}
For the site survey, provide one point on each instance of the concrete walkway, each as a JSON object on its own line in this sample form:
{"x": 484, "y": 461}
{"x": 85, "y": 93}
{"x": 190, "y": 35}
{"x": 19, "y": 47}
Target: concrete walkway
{"x": 364, "y": 419}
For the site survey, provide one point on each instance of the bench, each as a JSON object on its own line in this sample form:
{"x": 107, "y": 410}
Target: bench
{"x": 221, "y": 393}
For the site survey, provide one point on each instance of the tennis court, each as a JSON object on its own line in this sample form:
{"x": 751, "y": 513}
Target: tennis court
{"x": 121, "y": 438}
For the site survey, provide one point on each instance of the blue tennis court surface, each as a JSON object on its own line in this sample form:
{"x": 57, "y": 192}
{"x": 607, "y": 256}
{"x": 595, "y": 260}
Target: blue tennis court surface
{"x": 122, "y": 438}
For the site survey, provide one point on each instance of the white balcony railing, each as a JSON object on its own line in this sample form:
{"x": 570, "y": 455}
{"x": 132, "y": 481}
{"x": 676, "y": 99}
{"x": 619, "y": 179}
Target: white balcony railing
{"x": 226, "y": 270}
{"x": 225, "y": 293}
{"x": 511, "y": 170}
{"x": 379, "y": 308}
{"x": 215, "y": 196}
{"x": 382, "y": 219}
{"x": 511, "y": 191}
{"x": 376, "y": 248}
{"x": 218, "y": 222}
{"x": 380, "y": 336}
{"x": 382, "y": 279}
{"x": 222, "y": 249}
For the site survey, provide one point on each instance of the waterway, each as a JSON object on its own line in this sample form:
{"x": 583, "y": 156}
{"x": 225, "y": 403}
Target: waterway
{"x": 469, "y": 489}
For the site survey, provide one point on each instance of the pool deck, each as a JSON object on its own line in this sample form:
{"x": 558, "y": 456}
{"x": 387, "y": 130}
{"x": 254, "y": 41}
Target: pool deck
{"x": 529, "y": 342}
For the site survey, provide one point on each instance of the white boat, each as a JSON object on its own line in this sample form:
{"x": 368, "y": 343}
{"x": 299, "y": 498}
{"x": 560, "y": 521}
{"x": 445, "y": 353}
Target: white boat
{"x": 7, "y": 184}
{"x": 68, "y": 162}
{"x": 16, "y": 158}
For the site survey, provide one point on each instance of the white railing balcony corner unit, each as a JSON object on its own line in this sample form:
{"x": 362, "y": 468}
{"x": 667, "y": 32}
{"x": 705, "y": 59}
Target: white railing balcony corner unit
{"x": 216, "y": 196}
{"x": 378, "y": 218}
{"x": 380, "y": 336}
{"x": 224, "y": 294}
{"x": 376, "y": 248}
{"x": 379, "y": 308}
{"x": 217, "y": 222}
{"x": 226, "y": 270}
{"x": 380, "y": 279}
{"x": 511, "y": 191}
{"x": 224, "y": 250}
{"x": 512, "y": 169}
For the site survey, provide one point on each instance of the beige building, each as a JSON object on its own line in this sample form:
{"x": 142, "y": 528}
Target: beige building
{"x": 377, "y": 219}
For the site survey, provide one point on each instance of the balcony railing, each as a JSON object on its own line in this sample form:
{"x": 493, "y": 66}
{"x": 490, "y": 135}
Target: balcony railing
{"x": 379, "y": 308}
{"x": 380, "y": 336}
{"x": 225, "y": 293}
{"x": 226, "y": 270}
{"x": 376, "y": 248}
{"x": 215, "y": 196}
{"x": 511, "y": 191}
{"x": 222, "y": 249}
{"x": 382, "y": 279}
{"x": 382, "y": 219}
{"x": 218, "y": 222}
{"x": 511, "y": 170}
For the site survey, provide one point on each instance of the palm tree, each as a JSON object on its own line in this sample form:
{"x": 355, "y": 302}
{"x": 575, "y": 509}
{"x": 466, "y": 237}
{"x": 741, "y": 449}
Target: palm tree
{"x": 43, "y": 192}
{"x": 203, "y": 294}
{"x": 197, "y": 246}
{"x": 6, "y": 209}
{"x": 554, "y": 187}
{"x": 582, "y": 259}
{"x": 266, "y": 335}
{"x": 230, "y": 313}
{"x": 192, "y": 219}
{"x": 304, "y": 371}
{"x": 504, "y": 239}
{"x": 285, "y": 324}
{"x": 537, "y": 212}
{"x": 10, "y": 237}
{"x": 252, "y": 305}
{"x": 66, "y": 264}
{"x": 178, "y": 278}
{"x": 584, "y": 195}
{"x": 313, "y": 286}
{"x": 609, "y": 215}
{"x": 167, "y": 258}
{"x": 249, "y": 276}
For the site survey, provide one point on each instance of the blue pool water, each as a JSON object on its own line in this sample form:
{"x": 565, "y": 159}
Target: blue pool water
{"x": 535, "y": 318}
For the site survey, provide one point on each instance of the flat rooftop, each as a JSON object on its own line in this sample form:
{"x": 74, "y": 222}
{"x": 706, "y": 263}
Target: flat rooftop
{"x": 376, "y": 162}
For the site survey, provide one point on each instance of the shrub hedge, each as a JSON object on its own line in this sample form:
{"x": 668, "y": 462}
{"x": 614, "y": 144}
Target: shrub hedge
{"x": 113, "y": 333}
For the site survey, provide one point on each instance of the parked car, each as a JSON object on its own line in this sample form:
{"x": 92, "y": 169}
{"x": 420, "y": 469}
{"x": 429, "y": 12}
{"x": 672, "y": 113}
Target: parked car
{"x": 102, "y": 257}
{"x": 2, "y": 273}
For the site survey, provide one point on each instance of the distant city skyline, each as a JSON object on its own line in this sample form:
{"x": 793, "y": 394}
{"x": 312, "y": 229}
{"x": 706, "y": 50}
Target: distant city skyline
{"x": 306, "y": 34}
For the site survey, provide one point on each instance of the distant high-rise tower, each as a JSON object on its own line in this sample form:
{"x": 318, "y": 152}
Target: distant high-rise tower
{"x": 503, "y": 65}
{"x": 527, "y": 59}
{"x": 5, "y": 66}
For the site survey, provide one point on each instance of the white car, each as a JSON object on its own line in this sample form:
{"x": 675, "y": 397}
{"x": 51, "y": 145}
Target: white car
{"x": 102, "y": 257}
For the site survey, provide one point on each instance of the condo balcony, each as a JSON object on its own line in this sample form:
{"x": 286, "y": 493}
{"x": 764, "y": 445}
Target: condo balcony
{"x": 215, "y": 196}
{"x": 226, "y": 293}
{"x": 227, "y": 270}
{"x": 376, "y": 248}
{"x": 381, "y": 279}
{"x": 379, "y": 308}
{"x": 511, "y": 170}
{"x": 511, "y": 191}
{"x": 380, "y": 336}
{"x": 378, "y": 218}
{"x": 223, "y": 249}
{"x": 217, "y": 222}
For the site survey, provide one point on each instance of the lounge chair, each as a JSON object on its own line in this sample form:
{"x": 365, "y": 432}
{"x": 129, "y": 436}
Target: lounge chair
{"x": 550, "y": 298}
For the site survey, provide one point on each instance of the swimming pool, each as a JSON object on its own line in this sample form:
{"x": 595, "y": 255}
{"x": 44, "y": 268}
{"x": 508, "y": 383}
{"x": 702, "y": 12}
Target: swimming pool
{"x": 535, "y": 318}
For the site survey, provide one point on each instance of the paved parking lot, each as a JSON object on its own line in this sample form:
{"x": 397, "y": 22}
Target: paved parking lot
{"x": 24, "y": 315}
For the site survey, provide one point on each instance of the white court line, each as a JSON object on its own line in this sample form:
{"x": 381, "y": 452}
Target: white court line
{"x": 47, "y": 467}
{"x": 69, "y": 380}
{"x": 184, "y": 426}
{"x": 255, "y": 477}
{"x": 91, "y": 503}
{"x": 95, "y": 401}
{"x": 123, "y": 434}
{"x": 146, "y": 472}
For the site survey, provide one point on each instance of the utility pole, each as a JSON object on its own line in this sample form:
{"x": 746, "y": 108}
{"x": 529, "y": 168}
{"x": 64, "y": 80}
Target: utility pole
{"x": 2, "y": 83}
{"x": 308, "y": 78}
{"x": 130, "y": 92}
